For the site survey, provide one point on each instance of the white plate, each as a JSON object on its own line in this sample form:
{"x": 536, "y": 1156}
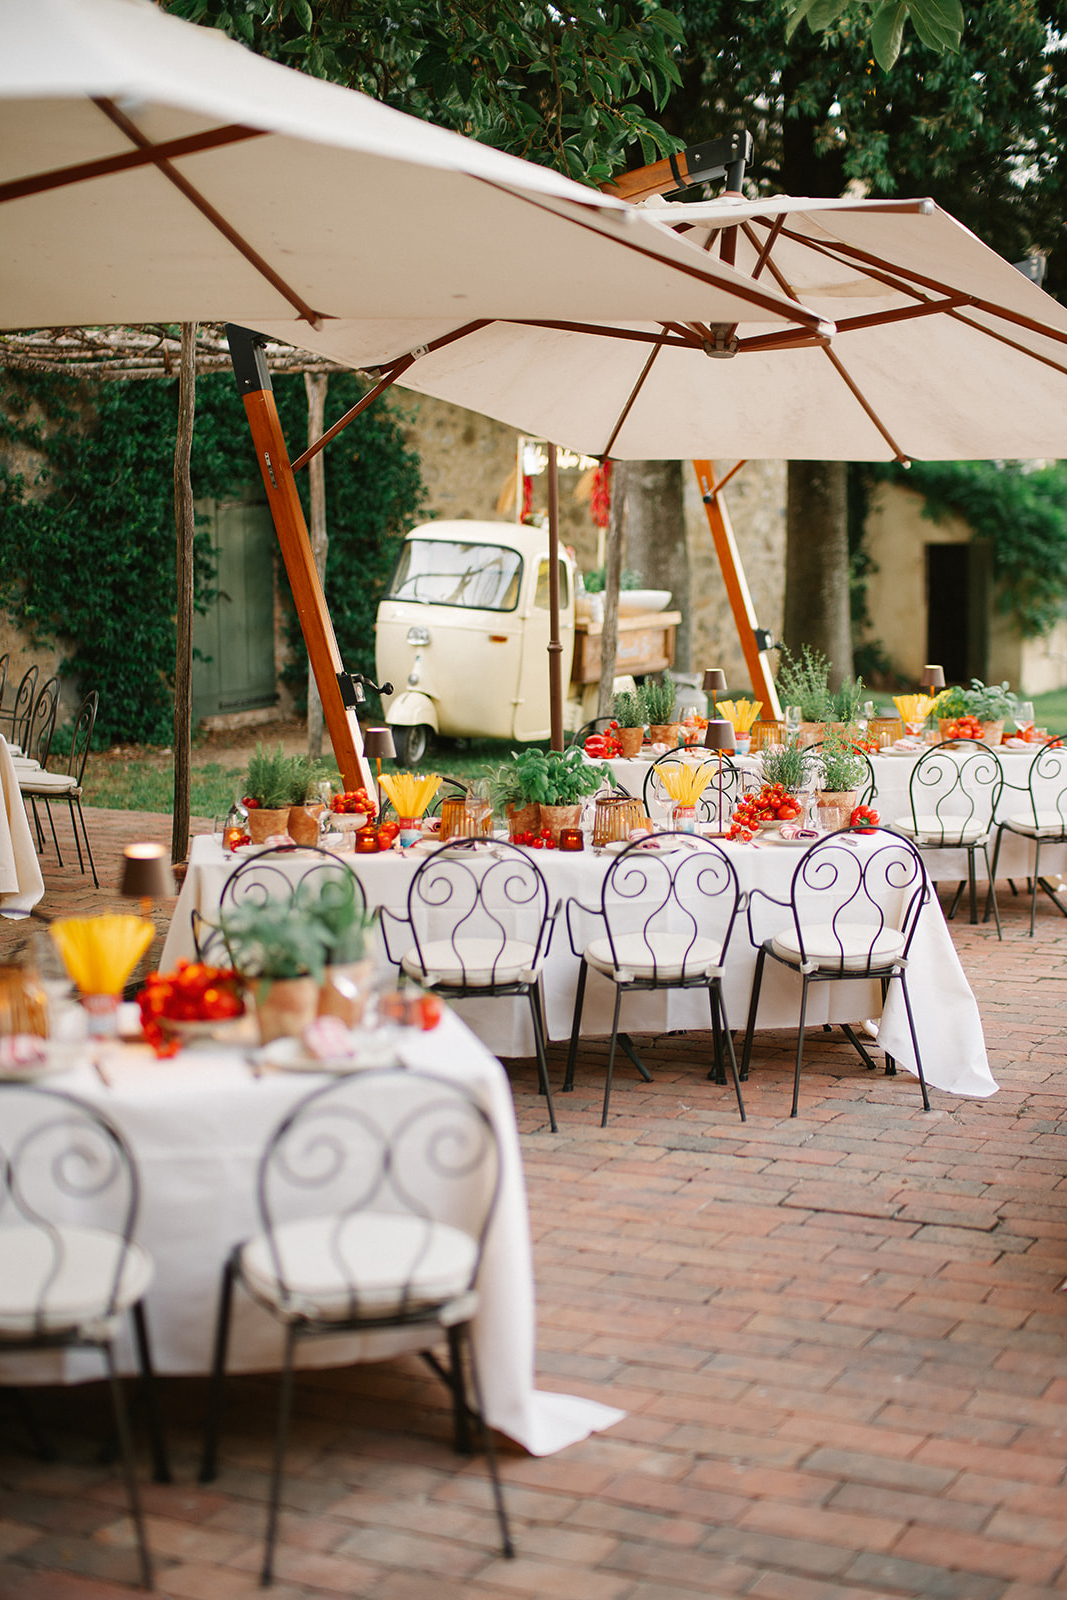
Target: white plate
{"x": 290, "y": 1055}
{"x": 780, "y": 838}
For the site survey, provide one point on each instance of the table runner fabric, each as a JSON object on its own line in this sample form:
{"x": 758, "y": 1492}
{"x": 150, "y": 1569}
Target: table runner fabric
{"x": 945, "y": 1010}
{"x": 21, "y": 883}
{"x": 197, "y": 1125}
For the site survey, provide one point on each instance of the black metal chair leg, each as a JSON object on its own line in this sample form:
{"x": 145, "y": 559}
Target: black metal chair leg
{"x": 991, "y": 897}
{"x": 42, "y": 1446}
{"x": 800, "y": 1041}
{"x": 890, "y": 1064}
{"x": 993, "y": 872}
{"x": 753, "y": 1005}
{"x": 956, "y": 898}
{"x": 490, "y": 1452}
{"x": 213, "y": 1422}
{"x": 972, "y": 883}
{"x": 88, "y": 846}
{"x": 628, "y": 1049}
{"x": 156, "y": 1437}
{"x": 537, "y": 1018}
{"x": 860, "y": 1048}
{"x": 52, "y": 826}
{"x": 129, "y": 1465}
{"x": 611, "y": 1056}
{"x": 281, "y": 1440}
{"x": 461, "y": 1422}
{"x": 718, "y": 1010}
{"x": 579, "y": 998}
{"x": 914, "y": 1042}
{"x": 1033, "y": 892}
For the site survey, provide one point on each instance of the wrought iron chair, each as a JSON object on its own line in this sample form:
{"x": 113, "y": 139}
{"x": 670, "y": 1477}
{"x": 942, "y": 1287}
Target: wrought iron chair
{"x": 65, "y": 1282}
{"x": 4, "y": 663}
{"x": 667, "y": 909}
{"x": 290, "y": 875}
{"x": 374, "y": 1199}
{"x": 22, "y": 705}
{"x": 853, "y": 907}
{"x": 38, "y": 745}
{"x": 1042, "y": 818}
{"x": 869, "y": 788}
{"x": 49, "y": 786}
{"x": 714, "y": 805}
{"x": 480, "y": 926}
{"x": 953, "y": 796}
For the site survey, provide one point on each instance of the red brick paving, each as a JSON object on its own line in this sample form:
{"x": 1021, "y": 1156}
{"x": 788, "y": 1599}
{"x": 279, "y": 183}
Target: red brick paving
{"x": 839, "y": 1341}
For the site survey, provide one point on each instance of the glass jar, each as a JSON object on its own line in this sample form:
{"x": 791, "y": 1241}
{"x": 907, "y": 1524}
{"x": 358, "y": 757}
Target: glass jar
{"x": 235, "y": 828}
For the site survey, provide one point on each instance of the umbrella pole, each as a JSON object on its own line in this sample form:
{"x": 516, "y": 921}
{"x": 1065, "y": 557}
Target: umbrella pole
{"x": 185, "y": 525}
{"x": 733, "y": 575}
{"x": 555, "y": 648}
{"x": 253, "y": 382}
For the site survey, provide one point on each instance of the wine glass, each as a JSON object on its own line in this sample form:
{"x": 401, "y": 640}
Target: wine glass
{"x": 793, "y": 719}
{"x": 479, "y": 808}
{"x": 1023, "y": 713}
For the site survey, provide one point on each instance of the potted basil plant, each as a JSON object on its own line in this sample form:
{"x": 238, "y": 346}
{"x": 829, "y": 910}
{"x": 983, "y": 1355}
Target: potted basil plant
{"x": 545, "y": 789}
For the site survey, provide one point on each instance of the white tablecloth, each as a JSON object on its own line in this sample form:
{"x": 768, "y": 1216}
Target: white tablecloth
{"x": 197, "y": 1125}
{"x": 950, "y": 1029}
{"x": 21, "y": 883}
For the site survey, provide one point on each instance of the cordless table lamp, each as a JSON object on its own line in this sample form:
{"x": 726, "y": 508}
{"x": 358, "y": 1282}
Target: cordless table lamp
{"x": 715, "y": 683}
{"x": 146, "y": 875}
{"x": 718, "y": 736}
{"x": 378, "y": 744}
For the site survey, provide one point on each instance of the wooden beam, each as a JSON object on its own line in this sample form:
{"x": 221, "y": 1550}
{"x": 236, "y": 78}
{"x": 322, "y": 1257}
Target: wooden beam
{"x": 253, "y": 382}
{"x": 733, "y": 575}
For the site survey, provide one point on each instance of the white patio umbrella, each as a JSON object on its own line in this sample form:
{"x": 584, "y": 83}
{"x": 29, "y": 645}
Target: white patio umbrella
{"x": 942, "y": 350}
{"x": 155, "y": 171}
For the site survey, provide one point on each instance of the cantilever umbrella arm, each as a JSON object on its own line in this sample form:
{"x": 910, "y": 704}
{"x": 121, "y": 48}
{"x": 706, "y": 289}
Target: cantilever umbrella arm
{"x": 254, "y": 383}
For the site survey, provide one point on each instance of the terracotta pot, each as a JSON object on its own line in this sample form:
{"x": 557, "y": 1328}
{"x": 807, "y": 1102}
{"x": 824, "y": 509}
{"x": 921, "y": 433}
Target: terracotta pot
{"x": 556, "y": 817}
{"x": 663, "y": 733}
{"x": 345, "y": 991}
{"x": 285, "y": 1006}
{"x": 303, "y": 826}
{"x": 810, "y": 733}
{"x": 523, "y": 819}
{"x": 834, "y": 808}
{"x": 264, "y": 824}
{"x": 631, "y": 740}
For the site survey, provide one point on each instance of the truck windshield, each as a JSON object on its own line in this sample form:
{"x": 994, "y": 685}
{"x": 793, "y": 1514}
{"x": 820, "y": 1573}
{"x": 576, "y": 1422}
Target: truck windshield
{"x": 441, "y": 572}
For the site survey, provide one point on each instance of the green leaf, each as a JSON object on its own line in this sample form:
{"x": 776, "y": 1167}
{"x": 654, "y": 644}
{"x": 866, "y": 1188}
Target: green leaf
{"x": 887, "y": 33}
{"x": 932, "y": 29}
{"x": 797, "y": 15}
{"x": 825, "y": 12}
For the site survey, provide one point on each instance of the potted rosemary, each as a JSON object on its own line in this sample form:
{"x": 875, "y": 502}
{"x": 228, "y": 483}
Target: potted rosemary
{"x": 282, "y": 955}
{"x": 786, "y": 764}
{"x": 629, "y": 712}
{"x": 277, "y": 786}
{"x": 658, "y": 703}
{"x": 839, "y": 774}
{"x": 804, "y": 681}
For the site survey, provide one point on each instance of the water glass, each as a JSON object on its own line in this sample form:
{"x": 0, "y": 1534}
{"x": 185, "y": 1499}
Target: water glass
{"x": 793, "y": 719}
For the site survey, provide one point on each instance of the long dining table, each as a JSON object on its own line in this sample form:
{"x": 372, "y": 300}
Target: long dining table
{"x": 197, "y": 1125}
{"x": 946, "y": 1013}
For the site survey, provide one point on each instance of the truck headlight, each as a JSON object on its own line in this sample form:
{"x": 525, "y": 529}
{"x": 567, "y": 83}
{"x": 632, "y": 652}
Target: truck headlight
{"x": 418, "y": 635}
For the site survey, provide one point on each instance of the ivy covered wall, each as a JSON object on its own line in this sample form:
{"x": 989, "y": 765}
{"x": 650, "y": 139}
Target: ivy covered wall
{"x": 87, "y": 541}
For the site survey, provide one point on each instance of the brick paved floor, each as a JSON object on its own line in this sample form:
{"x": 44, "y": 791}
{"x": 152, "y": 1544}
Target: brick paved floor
{"x": 839, "y": 1341}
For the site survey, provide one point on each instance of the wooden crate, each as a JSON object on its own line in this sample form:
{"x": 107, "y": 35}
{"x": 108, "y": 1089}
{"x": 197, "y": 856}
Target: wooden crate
{"x": 645, "y": 644}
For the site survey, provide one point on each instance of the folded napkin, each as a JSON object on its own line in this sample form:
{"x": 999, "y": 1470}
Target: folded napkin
{"x": 908, "y": 744}
{"x": 790, "y": 830}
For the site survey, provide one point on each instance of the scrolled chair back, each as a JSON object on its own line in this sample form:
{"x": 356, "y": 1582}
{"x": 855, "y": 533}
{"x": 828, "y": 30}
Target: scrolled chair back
{"x": 69, "y": 1198}
{"x": 293, "y": 875}
{"x": 666, "y": 902}
{"x": 1047, "y": 786}
{"x": 855, "y": 900}
{"x": 375, "y": 1196}
{"x": 470, "y": 902}
{"x": 953, "y": 787}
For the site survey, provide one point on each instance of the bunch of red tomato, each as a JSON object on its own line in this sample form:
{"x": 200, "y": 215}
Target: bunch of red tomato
{"x": 773, "y": 803}
{"x": 353, "y": 800}
{"x": 967, "y": 727}
{"x": 536, "y": 841}
{"x": 602, "y": 746}
{"x": 193, "y": 992}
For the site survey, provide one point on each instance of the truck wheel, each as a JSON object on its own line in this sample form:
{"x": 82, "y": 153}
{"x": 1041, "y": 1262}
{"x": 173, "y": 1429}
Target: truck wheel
{"x": 411, "y": 744}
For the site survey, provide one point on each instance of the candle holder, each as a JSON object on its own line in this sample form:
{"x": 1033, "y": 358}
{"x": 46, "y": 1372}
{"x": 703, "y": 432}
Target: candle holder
{"x": 367, "y": 842}
{"x": 571, "y": 839}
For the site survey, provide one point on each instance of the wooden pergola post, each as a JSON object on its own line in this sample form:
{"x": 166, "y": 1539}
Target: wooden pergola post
{"x": 733, "y": 576}
{"x": 253, "y": 381}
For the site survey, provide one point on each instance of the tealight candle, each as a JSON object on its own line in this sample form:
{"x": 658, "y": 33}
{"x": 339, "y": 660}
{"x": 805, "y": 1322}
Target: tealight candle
{"x": 367, "y": 840}
{"x": 571, "y": 839}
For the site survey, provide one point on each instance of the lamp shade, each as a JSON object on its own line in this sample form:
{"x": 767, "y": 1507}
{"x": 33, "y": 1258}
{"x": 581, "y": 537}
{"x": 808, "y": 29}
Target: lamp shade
{"x": 714, "y": 680}
{"x": 146, "y": 873}
{"x": 719, "y": 734}
{"x": 933, "y": 677}
{"x": 378, "y": 743}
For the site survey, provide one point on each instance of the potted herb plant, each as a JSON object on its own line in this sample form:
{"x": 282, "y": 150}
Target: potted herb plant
{"x": 839, "y": 774}
{"x": 282, "y": 954}
{"x": 804, "y": 681}
{"x": 277, "y": 785}
{"x": 629, "y": 712}
{"x": 658, "y": 700}
{"x": 786, "y": 764}
{"x": 990, "y": 703}
{"x": 545, "y": 788}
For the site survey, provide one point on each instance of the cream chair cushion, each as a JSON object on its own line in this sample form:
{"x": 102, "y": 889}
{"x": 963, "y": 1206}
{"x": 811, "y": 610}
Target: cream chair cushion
{"x": 944, "y": 831}
{"x": 667, "y": 955}
{"x": 851, "y": 946}
{"x": 332, "y": 1264}
{"x": 1051, "y": 822}
{"x": 472, "y": 961}
{"x": 66, "y": 1282}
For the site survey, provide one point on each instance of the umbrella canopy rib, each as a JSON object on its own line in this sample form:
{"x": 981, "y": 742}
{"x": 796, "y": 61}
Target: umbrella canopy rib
{"x": 208, "y": 211}
{"x": 170, "y": 150}
{"x": 632, "y": 397}
{"x": 862, "y": 401}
